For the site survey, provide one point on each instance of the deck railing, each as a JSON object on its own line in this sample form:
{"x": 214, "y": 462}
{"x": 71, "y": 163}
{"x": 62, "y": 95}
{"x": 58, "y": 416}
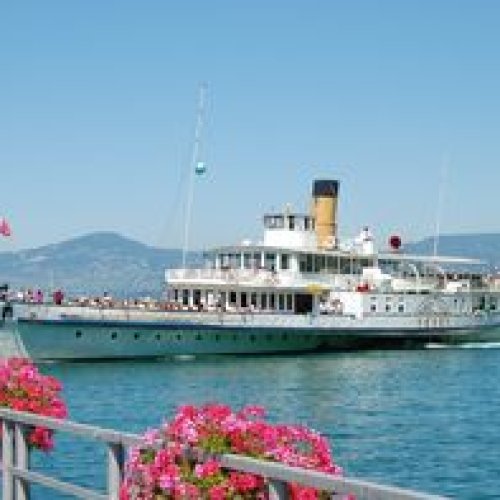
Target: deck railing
{"x": 17, "y": 475}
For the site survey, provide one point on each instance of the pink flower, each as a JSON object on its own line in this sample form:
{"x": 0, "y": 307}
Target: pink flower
{"x": 217, "y": 492}
{"x": 150, "y": 437}
{"x": 178, "y": 459}
{"x": 169, "y": 480}
{"x": 209, "y": 468}
{"x": 23, "y": 388}
{"x": 252, "y": 411}
{"x": 243, "y": 482}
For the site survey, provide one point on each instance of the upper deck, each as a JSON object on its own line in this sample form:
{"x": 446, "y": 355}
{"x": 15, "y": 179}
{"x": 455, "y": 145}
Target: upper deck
{"x": 298, "y": 248}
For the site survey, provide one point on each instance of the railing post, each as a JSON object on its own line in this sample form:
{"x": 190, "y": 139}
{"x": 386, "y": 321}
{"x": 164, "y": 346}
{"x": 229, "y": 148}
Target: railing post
{"x": 115, "y": 469}
{"x": 22, "y": 461}
{"x": 277, "y": 490}
{"x": 7, "y": 460}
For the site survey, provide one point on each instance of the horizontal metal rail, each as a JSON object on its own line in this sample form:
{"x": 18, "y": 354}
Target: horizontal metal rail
{"x": 340, "y": 485}
{"x": 55, "y": 484}
{"x": 17, "y": 477}
{"x": 83, "y": 430}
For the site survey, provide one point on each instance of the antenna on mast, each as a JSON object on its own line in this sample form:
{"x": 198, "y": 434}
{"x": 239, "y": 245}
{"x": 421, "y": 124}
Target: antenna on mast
{"x": 439, "y": 208}
{"x": 195, "y": 167}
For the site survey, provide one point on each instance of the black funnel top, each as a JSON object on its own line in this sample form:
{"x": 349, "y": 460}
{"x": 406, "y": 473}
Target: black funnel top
{"x": 325, "y": 188}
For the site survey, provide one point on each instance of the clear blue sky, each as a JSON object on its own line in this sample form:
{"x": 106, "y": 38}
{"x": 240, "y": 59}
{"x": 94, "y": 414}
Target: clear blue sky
{"x": 98, "y": 106}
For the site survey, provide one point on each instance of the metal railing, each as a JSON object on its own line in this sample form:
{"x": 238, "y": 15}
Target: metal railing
{"x": 233, "y": 275}
{"x": 17, "y": 476}
{"x": 16, "y": 472}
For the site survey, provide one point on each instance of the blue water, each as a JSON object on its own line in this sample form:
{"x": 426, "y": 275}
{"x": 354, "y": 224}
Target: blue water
{"x": 424, "y": 419}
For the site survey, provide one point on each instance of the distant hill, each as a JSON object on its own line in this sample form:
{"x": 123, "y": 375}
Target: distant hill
{"x": 106, "y": 261}
{"x": 484, "y": 246}
{"x": 91, "y": 264}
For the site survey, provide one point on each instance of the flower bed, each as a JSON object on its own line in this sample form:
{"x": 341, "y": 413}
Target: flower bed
{"x": 179, "y": 460}
{"x": 24, "y": 388}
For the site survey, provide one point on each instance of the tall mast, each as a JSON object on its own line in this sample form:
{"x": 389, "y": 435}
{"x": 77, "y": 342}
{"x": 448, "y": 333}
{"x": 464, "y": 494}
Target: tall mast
{"x": 200, "y": 115}
{"x": 439, "y": 208}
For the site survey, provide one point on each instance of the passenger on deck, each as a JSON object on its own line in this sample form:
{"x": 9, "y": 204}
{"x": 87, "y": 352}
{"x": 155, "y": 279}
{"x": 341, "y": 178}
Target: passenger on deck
{"x": 58, "y": 297}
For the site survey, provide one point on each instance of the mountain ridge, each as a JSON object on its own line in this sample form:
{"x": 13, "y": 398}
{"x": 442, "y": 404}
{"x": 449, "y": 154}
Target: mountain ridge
{"x": 91, "y": 264}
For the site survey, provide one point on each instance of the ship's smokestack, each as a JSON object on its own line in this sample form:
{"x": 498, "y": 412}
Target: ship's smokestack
{"x": 324, "y": 210}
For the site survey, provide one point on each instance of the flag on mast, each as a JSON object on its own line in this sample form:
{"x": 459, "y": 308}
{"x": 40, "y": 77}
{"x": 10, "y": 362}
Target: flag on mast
{"x": 5, "y": 228}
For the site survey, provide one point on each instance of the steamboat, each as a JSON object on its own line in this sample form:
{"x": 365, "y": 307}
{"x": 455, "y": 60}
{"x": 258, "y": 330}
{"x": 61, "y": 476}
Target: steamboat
{"x": 299, "y": 289}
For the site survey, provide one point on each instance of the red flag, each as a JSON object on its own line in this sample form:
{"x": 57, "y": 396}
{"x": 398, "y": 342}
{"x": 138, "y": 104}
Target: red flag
{"x": 5, "y": 228}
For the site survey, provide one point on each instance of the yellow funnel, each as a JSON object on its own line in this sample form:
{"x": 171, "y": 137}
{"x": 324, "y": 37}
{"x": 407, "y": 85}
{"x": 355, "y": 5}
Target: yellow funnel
{"x": 324, "y": 211}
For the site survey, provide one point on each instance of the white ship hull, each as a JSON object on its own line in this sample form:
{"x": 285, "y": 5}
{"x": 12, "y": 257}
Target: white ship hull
{"x": 78, "y": 333}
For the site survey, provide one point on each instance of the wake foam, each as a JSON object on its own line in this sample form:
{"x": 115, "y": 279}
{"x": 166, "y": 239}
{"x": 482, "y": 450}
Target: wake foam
{"x": 465, "y": 345}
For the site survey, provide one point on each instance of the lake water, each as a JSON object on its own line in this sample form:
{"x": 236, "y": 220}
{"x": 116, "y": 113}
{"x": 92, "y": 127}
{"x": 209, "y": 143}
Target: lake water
{"x": 424, "y": 419}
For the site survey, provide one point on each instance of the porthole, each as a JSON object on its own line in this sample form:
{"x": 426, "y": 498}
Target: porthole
{"x": 198, "y": 337}
{"x": 179, "y": 336}
{"x": 217, "y": 337}
{"x": 157, "y": 336}
{"x": 114, "y": 335}
{"x": 136, "y": 335}
{"x": 78, "y": 334}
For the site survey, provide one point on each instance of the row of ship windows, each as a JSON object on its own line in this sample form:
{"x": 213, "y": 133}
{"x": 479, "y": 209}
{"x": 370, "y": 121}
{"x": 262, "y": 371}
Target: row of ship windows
{"x": 483, "y": 303}
{"x": 388, "y": 308}
{"x": 267, "y": 260}
{"x": 279, "y": 301}
{"x": 307, "y": 263}
{"x": 217, "y": 337}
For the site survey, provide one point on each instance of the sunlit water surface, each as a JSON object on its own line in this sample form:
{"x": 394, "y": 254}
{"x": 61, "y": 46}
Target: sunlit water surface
{"x": 424, "y": 419}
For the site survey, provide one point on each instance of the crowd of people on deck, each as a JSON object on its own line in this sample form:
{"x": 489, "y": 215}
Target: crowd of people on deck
{"x": 106, "y": 301}
{"x": 29, "y": 295}
{"x": 58, "y": 297}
